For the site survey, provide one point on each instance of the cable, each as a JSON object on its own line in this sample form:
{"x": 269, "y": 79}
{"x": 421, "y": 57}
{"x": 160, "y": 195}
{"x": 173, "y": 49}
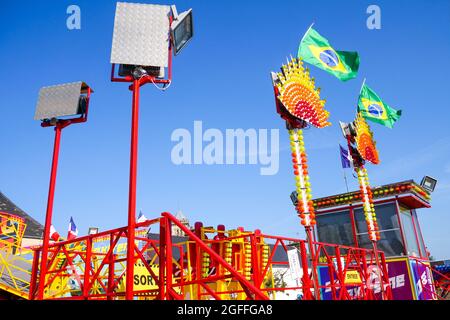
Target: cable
{"x": 163, "y": 88}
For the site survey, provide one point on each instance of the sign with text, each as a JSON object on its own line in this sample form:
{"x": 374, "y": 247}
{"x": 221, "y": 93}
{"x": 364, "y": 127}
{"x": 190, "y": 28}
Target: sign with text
{"x": 423, "y": 280}
{"x": 294, "y": 265}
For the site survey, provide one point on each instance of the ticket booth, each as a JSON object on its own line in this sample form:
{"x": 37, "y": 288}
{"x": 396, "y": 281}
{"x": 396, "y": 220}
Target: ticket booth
{"x": 340, "y": 220}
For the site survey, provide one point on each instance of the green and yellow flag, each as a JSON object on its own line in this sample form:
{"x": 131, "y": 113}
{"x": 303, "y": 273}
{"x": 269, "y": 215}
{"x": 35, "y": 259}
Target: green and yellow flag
{"x": 373, "y": 108}
{"x": 317, "y": 51}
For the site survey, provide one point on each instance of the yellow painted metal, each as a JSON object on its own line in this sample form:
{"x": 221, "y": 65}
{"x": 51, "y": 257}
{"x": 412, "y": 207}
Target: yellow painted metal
{"x": 15, "y": 262}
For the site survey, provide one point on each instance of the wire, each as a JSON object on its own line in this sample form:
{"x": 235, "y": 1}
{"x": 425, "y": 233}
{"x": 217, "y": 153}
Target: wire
{"x": 163, "y": 88}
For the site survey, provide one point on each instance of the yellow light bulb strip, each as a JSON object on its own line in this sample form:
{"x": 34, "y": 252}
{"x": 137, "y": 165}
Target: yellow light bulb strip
{"x": 368, "y": 206}
{"x": 305, "y": 206}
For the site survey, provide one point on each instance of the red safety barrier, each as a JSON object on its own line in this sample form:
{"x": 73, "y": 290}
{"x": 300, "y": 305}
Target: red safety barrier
{"x": 234, "y": 264}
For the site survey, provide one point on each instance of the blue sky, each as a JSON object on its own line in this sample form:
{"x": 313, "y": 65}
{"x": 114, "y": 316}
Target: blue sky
{"x": 222, "y": 79}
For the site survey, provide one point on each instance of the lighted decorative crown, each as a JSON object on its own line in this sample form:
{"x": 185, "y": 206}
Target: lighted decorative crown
{"x": 364, "y": 140}
{"x": 298, "y": 94}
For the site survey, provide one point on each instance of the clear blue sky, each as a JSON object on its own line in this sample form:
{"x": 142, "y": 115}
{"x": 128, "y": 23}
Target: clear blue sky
{"x": 221, "y": 78}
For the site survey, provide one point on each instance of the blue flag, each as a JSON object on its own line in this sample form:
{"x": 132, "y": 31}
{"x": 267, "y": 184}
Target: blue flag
{"x": 345, "y": 158}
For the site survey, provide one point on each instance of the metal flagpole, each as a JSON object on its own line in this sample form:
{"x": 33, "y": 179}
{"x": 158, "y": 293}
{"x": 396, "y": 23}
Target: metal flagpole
{"x": 345, "y": 179}
{"x": 306, "y": 32}
{"x": 359, "y": 95}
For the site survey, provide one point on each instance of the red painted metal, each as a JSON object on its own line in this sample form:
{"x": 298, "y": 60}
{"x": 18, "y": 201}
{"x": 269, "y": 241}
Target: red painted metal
{"x": 60, "y": 124}
{"x": 34, "y": 272}
{"x": 312, "y": 252}
{"x": 174, "y": 280}
{"x": 306, "y": 280}
{"x": 132, "y": 189}
{"x": 88, "y": 268}
{"x": 377, "y": 261}
{"x": 385, "y": 274}
{"x": 49, "y": 212}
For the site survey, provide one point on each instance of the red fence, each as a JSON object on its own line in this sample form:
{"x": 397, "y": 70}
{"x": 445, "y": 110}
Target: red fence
{"x": 233, "y": 264}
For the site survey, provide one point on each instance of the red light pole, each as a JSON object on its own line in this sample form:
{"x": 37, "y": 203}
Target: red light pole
{"x": 135, "y": 88}
{"x": 139, "y": 49}
{"x": 59, "y": 124}
{"x": 49, "y": 212}
{"x": 132, "y": 189}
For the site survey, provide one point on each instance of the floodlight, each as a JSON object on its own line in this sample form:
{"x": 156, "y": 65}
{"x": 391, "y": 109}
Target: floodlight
{"x": 182, "y": 30}
{"x": 92, "y": 230}
{"x": 428, "y": 183}
{"x": 294, "y": 198}
{"x": 62, "y": 100}
{"x": 144, "y": 37}
{"x": 141, "y": 34}
{"x": 59, "y": 106}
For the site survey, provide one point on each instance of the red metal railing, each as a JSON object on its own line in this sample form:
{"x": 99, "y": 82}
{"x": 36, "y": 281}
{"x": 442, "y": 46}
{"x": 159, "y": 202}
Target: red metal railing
{"x": 239, "y": 265}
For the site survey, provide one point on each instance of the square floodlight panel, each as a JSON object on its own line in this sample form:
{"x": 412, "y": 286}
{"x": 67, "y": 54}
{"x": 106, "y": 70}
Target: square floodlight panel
{"x": 182, "y": 30}
{"x": 428, "y": 183}
{"x": 59, "y": 100}
{"x": 141, "y": 34}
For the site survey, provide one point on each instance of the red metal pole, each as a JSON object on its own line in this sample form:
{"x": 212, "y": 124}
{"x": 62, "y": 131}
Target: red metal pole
{"x": 168, "y": 260}
{"x": 162, "y": 258}
{"x": 87, "y": 268}
{"x": 255, "y": 261}
{"x": 386, "y": 278}
{"x": 48, "y": 215}
{"x": 34, "y": 268}
{"x": 306, "y": 281}
{"x": 132, "y": 191}
{"x": 340, "y": 274}
{"x": 111, "y": 262}
{"x": 312, "y": 253}
{"x": 380, "y": 277}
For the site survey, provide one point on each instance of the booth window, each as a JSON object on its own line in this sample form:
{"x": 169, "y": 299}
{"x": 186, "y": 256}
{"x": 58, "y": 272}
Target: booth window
{"x": 335, "y": 228}
{"x": 390, "y": 235}
{"x": 419, "y": 234}
{"x": 408, "y": 232}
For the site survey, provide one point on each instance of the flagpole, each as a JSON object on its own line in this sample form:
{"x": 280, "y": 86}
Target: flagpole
{"x": 359, "y": 95}
{"x": 364, "y": 82}
{"x": 306, "y": 32}
{"x": 345, "y": 179}
{"x": 343, "y": 169}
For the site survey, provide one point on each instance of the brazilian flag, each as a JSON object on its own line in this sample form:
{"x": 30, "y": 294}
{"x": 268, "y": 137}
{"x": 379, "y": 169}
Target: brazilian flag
{"x": 373, "y": 108}
{"x": 317, "y": 51}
